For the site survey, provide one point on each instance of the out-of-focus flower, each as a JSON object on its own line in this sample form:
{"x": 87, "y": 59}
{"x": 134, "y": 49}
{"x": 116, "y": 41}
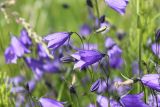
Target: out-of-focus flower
{"x": 154, "y": 100}
{"x": 103, "y": 102}
{"x": 10, "y": 55}
{"x": 24, "y": 38}
{"x": 32, "y": 84}
{"x": 18, "y": 47}
{"x": 89, "y": 3}
{"x": 91, "y": 105}
{"x": 95, "y": 85}
{"x": 157, "y": 36}
{"x": 47, "y": 102}
{"x": 134, "y": 100}
{"x": 41, "y": 51}
{"x": 120, "y": 34}
{"x": 115, "y": 59}
{"x": 86, "y": 58}
{"x": 16, "y": 80}
{"x": 85, "y": 30}
{"x": 109, "y": 43}
{"x": 56, "y": 40}
{"x": 36, "y": 66}
{"x": 90, "y": 46}
{"x": 152, "y": 81}
{"x": 118, "y": 5}
{"x": 156, "y": 49}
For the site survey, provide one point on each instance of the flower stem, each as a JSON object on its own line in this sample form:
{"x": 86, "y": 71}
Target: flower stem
{"x": 97, "y": 11}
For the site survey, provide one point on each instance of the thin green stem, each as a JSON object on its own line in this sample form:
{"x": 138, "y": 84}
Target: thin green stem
{"x": 97, "y": 10}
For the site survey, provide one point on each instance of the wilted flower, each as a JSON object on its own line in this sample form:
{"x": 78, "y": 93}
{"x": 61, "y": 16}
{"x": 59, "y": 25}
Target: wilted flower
{"x": 152, "y": 81}
{"x": 118, "y": 5}
{"x": 85, "y": 30}
{"x": 134, "y": 100}
{"x": 86, "y": 58}
{"x": 24, "y": 38}
{"x": 47, "y": 102}
{"x": 55, "y": 40}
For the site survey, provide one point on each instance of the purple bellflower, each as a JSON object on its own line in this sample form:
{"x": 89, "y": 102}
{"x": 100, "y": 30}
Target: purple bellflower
{"x": 152, "y": 81}
{"x": 56, "y": 40}
{"x": 134, "y": 100}
{"x": 154, "y": 100}
{"x": 86, "y": 57}
{"x": 47, "y": 102}
{"x": 118, "y": 5}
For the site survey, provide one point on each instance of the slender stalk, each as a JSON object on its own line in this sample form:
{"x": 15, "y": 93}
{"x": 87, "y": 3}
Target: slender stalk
{"x": 97, "y": 11}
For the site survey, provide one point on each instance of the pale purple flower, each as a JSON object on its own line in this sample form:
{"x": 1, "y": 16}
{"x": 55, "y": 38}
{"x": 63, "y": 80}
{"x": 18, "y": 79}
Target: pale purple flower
{"x": 152, "y": 81}
{"x": 56, "y": 40}
{"x": 85, "y": 30}
{"x": 86, "y": 58}
{"x": 90, "y": 46}
{"x": 32, "y": 84}
{"x": 103, "y": 102}
{"x": 118, "y": 5}
{"x": 133, "y": 100}
{"x": 91, "y": 105}
{"x": 47, "y": 102}
{"x": 41, "y": 51}
{"x": 109, "y": 43}
{"x": 154, "y": 100}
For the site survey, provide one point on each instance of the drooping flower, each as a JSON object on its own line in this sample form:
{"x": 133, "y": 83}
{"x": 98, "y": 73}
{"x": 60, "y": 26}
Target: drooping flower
{"x": 24, "y": 38}
{"x": 47, "y": 102}
{"x": 156, "y": 49}
{"x": 85, "y": 30}
{"x": 152, "y": 81}
{"x": 133, "y": 100}
{"x": 10, "y": 55}
{"x": 118, "y": 5}
{"x": 55, "y": 40}
{"x": 86, "y": 58}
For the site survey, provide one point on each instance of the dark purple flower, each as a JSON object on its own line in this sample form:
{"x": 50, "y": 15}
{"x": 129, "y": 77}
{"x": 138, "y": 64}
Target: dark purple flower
{"x": 18, "y": 47}
{"x": 24, "y": 38}
{"x": 118, "y": 5}
{"x": 95, "y": 85}
{"x": 47, "y": 102}
{"x": 152, "y": 81}
{"x": 115, "y": 59}
{"x": 10, "y": 55}
{"x": 134, "y": 100}
{"x": 156, "y": 49}
{"x": 157, "y": 36}
{"x": 85, "y": 30}
{"x": 86, "y": 58}
{"x": 55, "y": 40}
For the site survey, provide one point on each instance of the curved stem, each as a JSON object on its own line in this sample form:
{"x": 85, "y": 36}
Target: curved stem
{"x": 79, "y": 38}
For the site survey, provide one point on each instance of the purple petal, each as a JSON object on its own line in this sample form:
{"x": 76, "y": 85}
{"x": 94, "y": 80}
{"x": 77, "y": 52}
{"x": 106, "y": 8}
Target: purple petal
{"x": 10, "y": 55}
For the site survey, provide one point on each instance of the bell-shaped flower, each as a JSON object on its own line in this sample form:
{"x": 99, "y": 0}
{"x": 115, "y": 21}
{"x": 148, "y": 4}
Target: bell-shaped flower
{"x": 152, "y": 81}
{"x": 118, "y": 5}
{"x": 56, "y": 40}
{"x": 86, "y": 57}
{"x": 47, "y": 102}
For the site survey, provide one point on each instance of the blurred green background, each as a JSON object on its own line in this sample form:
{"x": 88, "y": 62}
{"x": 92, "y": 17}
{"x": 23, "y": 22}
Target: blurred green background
{"x": 48, "y": 16}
